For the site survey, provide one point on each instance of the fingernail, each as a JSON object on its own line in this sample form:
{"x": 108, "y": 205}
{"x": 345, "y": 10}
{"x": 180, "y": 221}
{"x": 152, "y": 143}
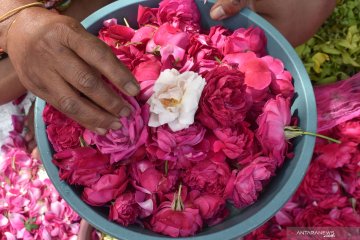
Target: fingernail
{"x": 115, "y": 126}
{"x": 218, "y": 13}
{"x": 101, "y": 131}
{"x": 125, "y": 112}
{"x": 131, "y": 88}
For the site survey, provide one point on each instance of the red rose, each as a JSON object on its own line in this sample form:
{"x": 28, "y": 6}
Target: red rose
{"x": 320, "y": 182}
{"x": 146, "y": 73}
{"x": 271, "y": 135}
{"x": 182, "y": 14}
{"x": 235, "y": 142}
{"x": 52, "y": 115}
{"x": 244, "y": 185}
{"x": 176, "y": 223}
{"x": 208, "y": 176}
{"x": 180, "y": 148}
{"x": 282, "y": 80}
{"x": 212, "y": 208}
{"x": 335, "y": 155}
{"x": 65, "y": 135}
{"x": 82, "y": 166}
{"x": 107, "y": 188}
{"x": 218, "y": 36}
{"x": 146, "y": 15}
{"x": 224, "y": 102}
{"x": 350, "y": 130}
{"x": 124, "y": 210}
{"x": 246, "y": 39}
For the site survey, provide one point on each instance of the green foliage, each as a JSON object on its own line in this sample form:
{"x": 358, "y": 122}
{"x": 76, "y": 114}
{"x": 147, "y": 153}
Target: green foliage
{"x": 334, "y": 52}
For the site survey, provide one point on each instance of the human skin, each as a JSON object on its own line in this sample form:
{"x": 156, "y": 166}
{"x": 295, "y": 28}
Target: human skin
{"x": 62, "y": 63}
{"x": 297, "y": 20}
{"x": 10, "y": 85}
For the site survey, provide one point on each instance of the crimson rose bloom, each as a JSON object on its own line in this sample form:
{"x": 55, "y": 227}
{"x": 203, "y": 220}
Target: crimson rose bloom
{"x": 235, "y": 142}
{"x": 212, "y": 208}
{"x": 176, "y": 223}
{"x": 107, "y": 188}
{"x": 182, "y": 14}
{"x": 336, "y": 155}
{"x": 271, "y": 135}
{"x": 224, "y": 101}
{"x": 180, "y": 148}
{"x": 125, "y": 210}
{"x": 63, "y": 133}
{"x": 244, "y": 186}
{"x": 320, "y": 182}
{"x": 208, "y": 176}
{"x": 350, "y": 130}
{"x": 82, "y": 166}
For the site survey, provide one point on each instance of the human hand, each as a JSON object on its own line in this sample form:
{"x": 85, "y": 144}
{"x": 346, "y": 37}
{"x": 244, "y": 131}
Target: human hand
{"x": 296, "y": 20}
{"x": 57, "y": 60}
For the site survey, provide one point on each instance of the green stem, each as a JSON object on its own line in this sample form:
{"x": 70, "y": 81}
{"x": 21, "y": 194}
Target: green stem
{"x": 321, "y": 136}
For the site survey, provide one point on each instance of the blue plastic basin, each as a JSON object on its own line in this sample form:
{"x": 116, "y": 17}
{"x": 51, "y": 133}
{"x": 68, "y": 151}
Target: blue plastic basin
{"x": 276, "y": 193}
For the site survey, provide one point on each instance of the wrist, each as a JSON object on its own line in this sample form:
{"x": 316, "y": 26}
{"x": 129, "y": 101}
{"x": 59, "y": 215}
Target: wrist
{"x": 7, "y": 6}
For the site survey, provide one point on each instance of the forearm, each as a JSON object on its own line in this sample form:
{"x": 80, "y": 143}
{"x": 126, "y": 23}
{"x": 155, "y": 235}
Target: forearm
{"x": 80, "y": 9}
{"x": 10, "y": 86}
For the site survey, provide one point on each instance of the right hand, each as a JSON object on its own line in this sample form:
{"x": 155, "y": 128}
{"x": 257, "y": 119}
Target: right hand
{"x": 57, "y": 60}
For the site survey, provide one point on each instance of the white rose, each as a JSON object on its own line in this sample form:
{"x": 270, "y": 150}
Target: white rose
{"x": 175, "y": 99}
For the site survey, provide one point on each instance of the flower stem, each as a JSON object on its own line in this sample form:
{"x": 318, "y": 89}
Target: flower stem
{"x": 166, "y": 167}
{"x": 293, "y": 131}
{"x": 322, "y": 136}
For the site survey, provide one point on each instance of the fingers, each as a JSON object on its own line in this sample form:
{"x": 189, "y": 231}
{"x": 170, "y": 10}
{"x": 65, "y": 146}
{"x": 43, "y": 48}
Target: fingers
{"x": 85, "y": 79}
{"x": 99, "y": 55}
{"x": 226, "y": 8}
{"x": 67, "y": 100}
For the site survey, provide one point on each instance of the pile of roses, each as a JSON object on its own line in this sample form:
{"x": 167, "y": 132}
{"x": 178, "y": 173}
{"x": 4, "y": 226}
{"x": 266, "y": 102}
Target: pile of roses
{"x": 206, "y": 129}
{"x": 30, "y": 207}
{"x": 329, "y": 195}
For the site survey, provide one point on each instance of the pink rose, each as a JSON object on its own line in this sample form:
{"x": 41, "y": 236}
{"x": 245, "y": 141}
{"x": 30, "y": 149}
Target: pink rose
{"x": 336, "y": 155}
{"x": 212, "y": 208}
{"x": 223, "y": 102}
{"x": 172, "y": 44}
{"x": 63, "y": 133}
{"x": 182, "y": 14}
{"x": 82, "y": 166}
{"x": 143, "y": 35}
{"x": 115, "y": 35}
{"x": 146, "y": 15}
{"x": 246, "y": 39}
{"x": 146, "y": 73}
{"x": 124, "y": 210}
{"x": 245, "y": 185}
{"x": 350, "y": 130}
{"x": 258, "y": 76}
{"x": 107, "y": 188}
{"x": 208, "y": 176}
{"x": 218, "y": 36}
{"x": 234, "y": 142}
{"x": 126, "y": 142}
{"x": 181, "y": 148}
{"x": 282, "y": 79}
{"x": 320, "y": 182}
{"x": 176, "y": 223}
{"x": 271, "y": 135}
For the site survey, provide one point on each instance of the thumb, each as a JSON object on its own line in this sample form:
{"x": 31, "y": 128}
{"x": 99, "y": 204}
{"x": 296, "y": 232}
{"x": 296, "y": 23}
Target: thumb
{"x": 227, "y": 8}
